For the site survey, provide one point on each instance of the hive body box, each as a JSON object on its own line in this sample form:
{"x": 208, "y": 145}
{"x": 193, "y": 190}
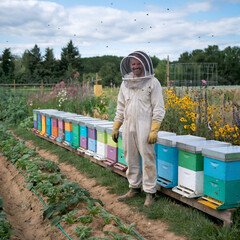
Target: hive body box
{"x": 76, "y": 130}
{"x": 167, "y": 158}
{"x": 68, "y": 125}
{"x": 92, "y": 135}
{"x": 35, "y": 119}
{"x": 61, "y": 125}
{"x": 190, "y": 166}
{"x": 101, "y": 153}
{"x": 42, "y": 122}
{"x": 112, "y": 148}
{"x": 53, "y": 116}
{"x": 121, "y": 163}
{"x": 221, "y": 177}
{"x": 48, "y": 115}
{"x": 84, "y": 133}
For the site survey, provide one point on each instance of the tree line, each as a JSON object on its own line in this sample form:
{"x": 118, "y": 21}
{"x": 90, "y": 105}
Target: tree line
{"x": 32, "y": 67}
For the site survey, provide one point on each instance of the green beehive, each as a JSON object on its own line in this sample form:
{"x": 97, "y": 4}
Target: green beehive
{"x": 190, "y": 160}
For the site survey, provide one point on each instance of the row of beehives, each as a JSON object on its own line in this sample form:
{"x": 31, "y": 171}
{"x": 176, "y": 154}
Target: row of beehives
{"x": 191, "y": 166}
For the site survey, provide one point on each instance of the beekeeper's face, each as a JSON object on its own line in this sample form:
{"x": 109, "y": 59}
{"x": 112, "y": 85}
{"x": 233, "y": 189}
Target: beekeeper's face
{"x": 136, "y": 67}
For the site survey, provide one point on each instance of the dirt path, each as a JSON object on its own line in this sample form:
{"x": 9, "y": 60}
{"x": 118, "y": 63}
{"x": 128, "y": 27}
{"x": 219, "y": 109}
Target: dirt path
{"x": 23, "y": 207}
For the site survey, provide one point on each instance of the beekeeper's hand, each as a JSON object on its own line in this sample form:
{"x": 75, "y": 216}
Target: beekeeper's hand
{"x": 153, "y": 135}
{"x": 115, "y": 132}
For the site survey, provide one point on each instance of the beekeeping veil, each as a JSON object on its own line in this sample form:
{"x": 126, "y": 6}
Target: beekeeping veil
{"x": 129, "y": 79}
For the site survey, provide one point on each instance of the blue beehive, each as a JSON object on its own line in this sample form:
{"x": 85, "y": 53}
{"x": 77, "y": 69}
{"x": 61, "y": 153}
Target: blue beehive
{"x": 167, "y": 158}
{"x": 221, "y": 177}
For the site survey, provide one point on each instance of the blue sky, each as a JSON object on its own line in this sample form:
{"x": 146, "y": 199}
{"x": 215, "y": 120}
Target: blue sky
{"x": 117, "y": 27}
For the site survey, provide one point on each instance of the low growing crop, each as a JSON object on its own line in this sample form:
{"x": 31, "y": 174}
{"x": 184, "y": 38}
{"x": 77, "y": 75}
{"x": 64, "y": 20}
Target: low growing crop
{"x": 66, "y": 200}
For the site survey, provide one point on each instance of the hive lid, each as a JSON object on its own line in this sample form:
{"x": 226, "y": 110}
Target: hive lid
{"x": 83, "y": 122}
{"x": 103, "y": 127}
{"x": 165, "y": 133}
{"x": 55, "y": 114}
{"x": 226, "y": 154}
{"x": 77, "y": 119}
{"x": 71, "y": 118}
{"x": 64, "y": 115}
{"x": 109, "y": 129}
{"x": 95, "y": 124}
{"x": 171, "y": 141}
{"x": 49, "y": 112}
{"x": 41, "y": 111}
{"x": 197, "y": 146}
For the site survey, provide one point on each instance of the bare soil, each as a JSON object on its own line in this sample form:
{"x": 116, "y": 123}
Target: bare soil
{"x": 23, "y": 207}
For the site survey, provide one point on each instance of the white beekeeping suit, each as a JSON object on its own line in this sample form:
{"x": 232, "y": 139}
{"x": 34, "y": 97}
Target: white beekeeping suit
{"x": 140, "y": 108}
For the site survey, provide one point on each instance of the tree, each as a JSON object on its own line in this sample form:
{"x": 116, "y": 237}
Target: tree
{"x": 110, "y": 73}
{"x": 32, "y": 62}
{"x": 231, "y": 65}
{"x": 184, "y": 57}
{"x": 161, "y": 72}
{"x": 155, "y": 61}
{"x": 49, "y": 66}
{"x": 7, "y": 65}
{"x": 70, "y": 59}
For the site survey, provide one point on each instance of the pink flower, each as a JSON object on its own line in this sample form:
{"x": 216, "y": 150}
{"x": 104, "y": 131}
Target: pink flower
{"x": 62, "y": 83}
{"x": 204, "y": 82}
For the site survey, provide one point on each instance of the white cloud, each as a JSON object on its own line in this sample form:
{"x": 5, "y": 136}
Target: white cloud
{"x": 101, "y": 30}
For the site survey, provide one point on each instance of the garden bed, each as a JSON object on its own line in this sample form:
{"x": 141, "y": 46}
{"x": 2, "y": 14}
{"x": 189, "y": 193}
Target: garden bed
{"x": 23, "y": 207}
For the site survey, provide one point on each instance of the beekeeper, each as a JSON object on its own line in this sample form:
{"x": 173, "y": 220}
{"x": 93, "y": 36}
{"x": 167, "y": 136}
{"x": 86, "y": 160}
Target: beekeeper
{"x": 140, "y": 108}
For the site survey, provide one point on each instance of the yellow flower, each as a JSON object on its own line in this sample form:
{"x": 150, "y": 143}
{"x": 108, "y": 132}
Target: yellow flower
{"x": 216, "y": 133}
{"x": 183, "y": 119}
{"x": 235, "y": 135}
{"x": 193, "y": 129}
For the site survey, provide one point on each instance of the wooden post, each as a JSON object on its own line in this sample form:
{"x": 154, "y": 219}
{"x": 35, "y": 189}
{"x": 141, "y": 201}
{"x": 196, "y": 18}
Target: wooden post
{"x": 168, "y": 71}
{"x": 97, "y": 88}
{"x": 42, "y": 85}
{"x": 14, "y": 87}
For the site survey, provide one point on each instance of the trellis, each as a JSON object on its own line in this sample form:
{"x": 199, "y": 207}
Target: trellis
{"x": 192, "y": 74}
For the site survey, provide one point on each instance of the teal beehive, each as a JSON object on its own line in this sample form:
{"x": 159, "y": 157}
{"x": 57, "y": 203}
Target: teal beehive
{"x": 221, "y": 177}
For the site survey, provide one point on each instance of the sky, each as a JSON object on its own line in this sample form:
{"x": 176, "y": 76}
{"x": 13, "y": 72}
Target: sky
{"x": 161, "y": 28}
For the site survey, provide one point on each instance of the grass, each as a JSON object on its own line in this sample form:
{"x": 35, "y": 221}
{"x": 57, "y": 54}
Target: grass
{"x": 182, "y": 219}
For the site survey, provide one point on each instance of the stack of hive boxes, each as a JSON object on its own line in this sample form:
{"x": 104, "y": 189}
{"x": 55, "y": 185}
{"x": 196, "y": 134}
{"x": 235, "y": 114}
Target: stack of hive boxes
{"x": 190, "y": 166}
{"x": 221, "y": 177}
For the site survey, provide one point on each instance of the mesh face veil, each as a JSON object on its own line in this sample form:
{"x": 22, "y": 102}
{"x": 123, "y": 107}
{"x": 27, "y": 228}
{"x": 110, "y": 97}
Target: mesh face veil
{"x": 131, "y": 79}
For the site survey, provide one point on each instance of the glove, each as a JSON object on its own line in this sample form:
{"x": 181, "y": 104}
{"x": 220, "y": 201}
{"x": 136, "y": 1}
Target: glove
{"x": 153, "y": 135}
{"x": 115, "y": 132}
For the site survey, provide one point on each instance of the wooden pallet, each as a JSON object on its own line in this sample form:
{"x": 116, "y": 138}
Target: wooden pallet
{"x": 224, "y": 215}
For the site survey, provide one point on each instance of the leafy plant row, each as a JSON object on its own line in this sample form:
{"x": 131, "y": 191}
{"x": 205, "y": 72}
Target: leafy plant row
{"x": 5, "y": 228}
{"x": 65, "y": 199}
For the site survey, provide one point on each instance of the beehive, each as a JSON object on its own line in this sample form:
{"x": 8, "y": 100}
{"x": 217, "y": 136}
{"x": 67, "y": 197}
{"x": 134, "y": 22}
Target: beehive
{"x": 221, "y": 177}
{"x": 167, "y": 158}
{"x": 190, "y": 166}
